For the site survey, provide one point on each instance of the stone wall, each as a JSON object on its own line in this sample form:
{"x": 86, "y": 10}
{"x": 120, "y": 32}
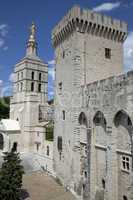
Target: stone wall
{"x": 108, "y": 106}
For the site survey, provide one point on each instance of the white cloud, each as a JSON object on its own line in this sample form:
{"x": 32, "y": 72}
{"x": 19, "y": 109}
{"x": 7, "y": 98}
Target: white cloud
{"x": 51, "y": 72}
{"x": 51, "y": 93}
{"x": 107, "y": 6}
{"x": 11, "y": 77}
{"x": 51, "y": 62}
{"x": 51, "y": 69}
{"x": 1, "y": 82}
{"x": 128, "y": 52}
{"x": 3, "y": 33}
{"x": 5, "y": 48}
{"x": 3, "y": 30}
{"x": 2, "y": 42}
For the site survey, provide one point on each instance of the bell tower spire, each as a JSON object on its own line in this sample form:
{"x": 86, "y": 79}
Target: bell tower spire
{"x": 32, "y": 44}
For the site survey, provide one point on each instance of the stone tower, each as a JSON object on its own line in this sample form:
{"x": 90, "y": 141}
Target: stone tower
{"x": 29, "y": 92}
{"x": 88, "y": 47}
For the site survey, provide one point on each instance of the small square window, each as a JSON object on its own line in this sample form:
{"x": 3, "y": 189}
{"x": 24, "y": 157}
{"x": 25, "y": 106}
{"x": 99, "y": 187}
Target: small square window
{"x": 125, "y": 163}
{"x": 107, "y": 53}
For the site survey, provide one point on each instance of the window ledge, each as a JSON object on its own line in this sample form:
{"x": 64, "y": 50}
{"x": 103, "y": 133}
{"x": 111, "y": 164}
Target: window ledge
{"x": 125, "y": 171}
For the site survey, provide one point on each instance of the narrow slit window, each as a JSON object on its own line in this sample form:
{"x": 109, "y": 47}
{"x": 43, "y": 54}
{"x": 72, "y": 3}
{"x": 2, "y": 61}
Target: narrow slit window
{"x": 107, "y": 53}
{"x": 39, "y": 87}
{"x": 32, "y": 87}
{"x": 32, "y": 75}
{"x": 64, "y": 114}
{"x": 40, "y": 76}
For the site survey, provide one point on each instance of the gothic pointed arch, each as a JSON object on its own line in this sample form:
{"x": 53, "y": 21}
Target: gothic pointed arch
{"x": 82, "y": 119}
{"x": 85, "y": 149}
{"x": 122, "y": 131}
{"x": 99, "y": 119}
{"x": 100, "y": 149}
{"x": 122, "y": 118}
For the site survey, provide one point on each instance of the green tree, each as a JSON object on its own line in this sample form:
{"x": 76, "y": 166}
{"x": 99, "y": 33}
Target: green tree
{"x": 4, "y": 107}
{"x": 11, "y": 175}
{"x": 50, "y": 132}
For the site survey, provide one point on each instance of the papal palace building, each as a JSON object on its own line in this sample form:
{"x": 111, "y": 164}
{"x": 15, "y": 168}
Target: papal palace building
{"x": 92, "y": 151}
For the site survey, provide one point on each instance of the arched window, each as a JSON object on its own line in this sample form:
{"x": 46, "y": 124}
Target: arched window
{"x": 40, "y": 76}
{"x": 99, "y": 119}
{"x": 32, "y": 86}
{"x": 124, "y": 128}
{"x": 1, "y": 142}
{"x": 47, "y": 150}
{"x": 32, "y": 75}
{"x": 122, "y": 118}
{"x": 82, "y": 119}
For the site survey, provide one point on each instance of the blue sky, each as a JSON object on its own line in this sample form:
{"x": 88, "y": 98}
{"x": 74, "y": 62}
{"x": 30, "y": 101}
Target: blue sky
{"x": 16, "y": 17}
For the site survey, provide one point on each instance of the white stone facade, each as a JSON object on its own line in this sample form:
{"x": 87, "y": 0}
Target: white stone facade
{"x": 93, "y": 154}
{"x": 29, "y": 106}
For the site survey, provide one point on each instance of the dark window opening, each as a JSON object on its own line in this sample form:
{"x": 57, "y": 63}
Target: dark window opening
{"x": 59, "y": 143}
{"x": 21, "y": 86}
{"x": 63, "y": 54}
{"x": 85, "y": 173}
{"x": 32, "y": 75}
{"x": 1, "y": 142}
{"x": 126, "y": 163}
{"x": 14, "y": 147}
{"x": 39, "y": 87}
{"x": 103, "y": 183}
{"x": 63, "y": 112}
{"x": 32, "y": 86}
{"x": 47, "y": 150}
{"x": 107, "y": 53}
{"x": 83, "y": 186}
{"x": 125, "y": 197}
{"x": 60, "y": 86}
{"x": 40, "y": 76}
{"x": 37, "y": 146}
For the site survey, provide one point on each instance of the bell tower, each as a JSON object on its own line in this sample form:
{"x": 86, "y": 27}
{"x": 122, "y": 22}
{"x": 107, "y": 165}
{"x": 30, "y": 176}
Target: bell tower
{"x": 29, "y": 91}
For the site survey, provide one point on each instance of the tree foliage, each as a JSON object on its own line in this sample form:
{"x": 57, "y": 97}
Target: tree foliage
{"x": 50, "y": 132}
{"x": 4, "y": 107}
{"x": 11, "y": 177}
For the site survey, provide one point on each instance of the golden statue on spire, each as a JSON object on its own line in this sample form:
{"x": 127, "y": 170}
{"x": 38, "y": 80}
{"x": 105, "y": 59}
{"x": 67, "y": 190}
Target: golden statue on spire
{"x": 31, "y": 44}
{"x": 33, "y": 30}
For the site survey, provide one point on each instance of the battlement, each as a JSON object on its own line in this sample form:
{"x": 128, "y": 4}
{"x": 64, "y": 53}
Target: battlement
{"x": 112, "y": 82}
{"x": 87, "y": 21}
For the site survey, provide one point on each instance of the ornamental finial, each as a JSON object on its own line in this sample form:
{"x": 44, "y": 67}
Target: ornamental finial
{"x": 32, "y": 30}
{"x": 32, "y": 45}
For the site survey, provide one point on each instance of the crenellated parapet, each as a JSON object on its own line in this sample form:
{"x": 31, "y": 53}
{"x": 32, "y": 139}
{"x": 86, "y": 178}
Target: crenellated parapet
{"x": 87, "y": 21}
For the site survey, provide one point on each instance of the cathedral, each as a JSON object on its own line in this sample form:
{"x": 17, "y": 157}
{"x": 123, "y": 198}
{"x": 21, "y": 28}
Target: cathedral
{"x": 92, "y": 150}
